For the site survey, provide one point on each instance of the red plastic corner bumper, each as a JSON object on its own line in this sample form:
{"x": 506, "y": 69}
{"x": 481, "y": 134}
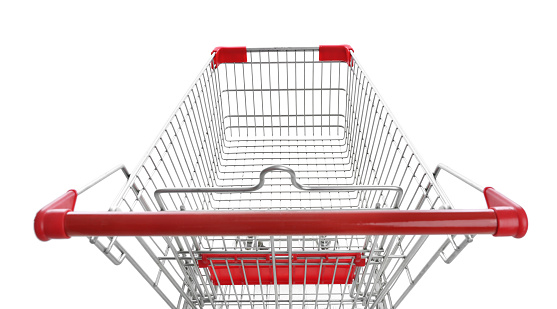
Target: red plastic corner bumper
{"x": 511, "y": 218}
{"x": 335, "y": 53}
{"x": 50, "y": 222}
{"x": 229, "y": 55}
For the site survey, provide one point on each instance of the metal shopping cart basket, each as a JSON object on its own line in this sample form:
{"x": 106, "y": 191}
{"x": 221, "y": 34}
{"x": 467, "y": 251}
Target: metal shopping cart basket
{"x": 281, "y": 181}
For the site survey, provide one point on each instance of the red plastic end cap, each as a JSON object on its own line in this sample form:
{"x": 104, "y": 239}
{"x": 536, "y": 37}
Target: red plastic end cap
{"x": 335, "y": 53}
{"x": 511, "y": 218}
{"x": 50, "y": 221}
{"x": 229, "y": 55}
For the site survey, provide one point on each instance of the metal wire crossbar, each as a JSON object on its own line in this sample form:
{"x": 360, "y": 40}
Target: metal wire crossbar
{"x": 324, "y": 124}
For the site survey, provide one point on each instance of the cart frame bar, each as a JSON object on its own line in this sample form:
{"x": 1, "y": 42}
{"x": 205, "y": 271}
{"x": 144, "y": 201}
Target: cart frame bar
{"x": 502, "y": 218}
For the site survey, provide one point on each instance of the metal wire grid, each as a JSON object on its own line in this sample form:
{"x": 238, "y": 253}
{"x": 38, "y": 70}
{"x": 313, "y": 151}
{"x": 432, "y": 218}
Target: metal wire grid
{"x": 322, "y": 119}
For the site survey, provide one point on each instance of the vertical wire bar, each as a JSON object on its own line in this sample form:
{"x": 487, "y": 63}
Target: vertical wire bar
{"x": 245, "y": 97}
{"x": 288, "y": 94}
{"x": 338, "y": 101}
{"x": 208, "y": 97}
{"x": 263, "y": 299}
{"x": 274, "y": 257}
{"x": 157, "y": 170}
{"x": 289, "y": 247}
{"x": 191, "y": 284}
{"x": 377, "y": 163}
{"x": 378, "y": 133}
{"x": 214, "y": 81}
{"x": 200, "y": 165}
{"x": 392, "y": 141}
{"x": 378, "y": 269}
{"x": 278, "y": 94}
{"x": 378, "y": 180}
{"x": 350, "y": 91}
{"x": 422, "y": 272}
{"x": 330, "y": 95}
{"x": 261, "y": 88}
{"x": 197, "y": 121}
{"x": 163, "y": 269}
{"x": 318, "y": 283}
{"x": 145, "y": 276}
{"x": 360, "y": 98}
{"x": 402, "y": 252}
{"x": 234, "y": 74}
{"x": 198, "y": 271}
{"x": 365, "y": 134}
{"x": 368, "y": 170}
{"x": 391, "y": 165}
{"x": 343, "y": 293}
{"x": 227, "y": 92}
{"x": 313, "y": 93}
{"x": 185, "y": 159}
{"x": 355, "y": 124}
{"x": 296, "y": 91}
{"x": 304, "y": 110}
{"x": 219, "y": 99}
{"x": 305, "y": 285}
{"x": 333, "y": 282}
{"x": 181, "y": 165}
{"x": 363, "y": 124}
{"x": 349, "y": 101}
{"x": 356, "y": 136}
{"x": 172, "y": 161}
{"x": 356, "y": 288}
{"x": 384, "y": 265}
{"x": 219, "y": 286}
{"x": 407, "y": 260}
{"x": 192, "y": 160}
{"x": 202, "y": 109}
{"x": 322, "y": 112}
{"x": 270, "y": 94}
{"x": 246, "y": 283}
{"x": 253, "y": 96}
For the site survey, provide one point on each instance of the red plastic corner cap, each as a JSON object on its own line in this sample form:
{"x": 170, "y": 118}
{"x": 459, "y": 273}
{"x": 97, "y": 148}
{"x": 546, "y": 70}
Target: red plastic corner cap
{"x": 50, "y": 221}
{"x": 335, "y": 53}
{"x": 229, "y": 55}
{"x": 511, "y": 218}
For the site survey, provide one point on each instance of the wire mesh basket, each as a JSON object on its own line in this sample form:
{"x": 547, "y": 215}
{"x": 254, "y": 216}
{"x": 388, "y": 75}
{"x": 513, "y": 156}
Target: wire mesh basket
{"x": 282, "y": 180}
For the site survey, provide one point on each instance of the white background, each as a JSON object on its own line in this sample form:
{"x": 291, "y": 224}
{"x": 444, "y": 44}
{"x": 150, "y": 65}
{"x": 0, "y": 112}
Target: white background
{"x": 88, "y": 85}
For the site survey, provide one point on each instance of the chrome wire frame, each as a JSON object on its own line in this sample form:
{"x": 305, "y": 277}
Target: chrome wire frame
{"x": 322, "y": 120}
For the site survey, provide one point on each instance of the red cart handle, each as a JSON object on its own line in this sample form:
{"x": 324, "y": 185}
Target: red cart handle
{"x": 511, "y": 218}
{"x": 50, "y": 222}
{"x": 503, "y": 218}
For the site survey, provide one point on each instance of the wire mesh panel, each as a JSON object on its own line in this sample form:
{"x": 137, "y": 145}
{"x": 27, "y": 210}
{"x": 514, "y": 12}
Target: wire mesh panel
{"x": 324, "y": 121}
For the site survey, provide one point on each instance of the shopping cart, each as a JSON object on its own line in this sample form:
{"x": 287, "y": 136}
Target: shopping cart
{"x": 282, "y": 180}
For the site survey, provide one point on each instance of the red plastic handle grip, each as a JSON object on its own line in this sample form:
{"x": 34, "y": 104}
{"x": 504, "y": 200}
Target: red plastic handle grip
{"x": 217, "y": 223}
{"x": 511, "y": 218}
{"x": 50, "y": 221}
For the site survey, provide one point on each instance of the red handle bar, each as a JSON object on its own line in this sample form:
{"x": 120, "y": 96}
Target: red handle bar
{"x": 502, "y": 218}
